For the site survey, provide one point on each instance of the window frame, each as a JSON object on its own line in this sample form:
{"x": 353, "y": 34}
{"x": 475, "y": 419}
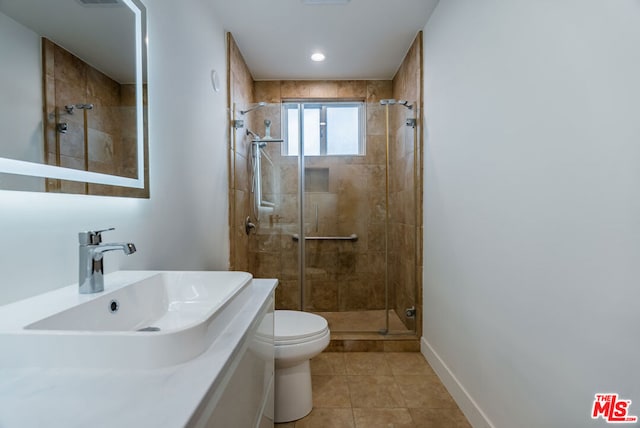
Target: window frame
{"x": 322, "y": 105}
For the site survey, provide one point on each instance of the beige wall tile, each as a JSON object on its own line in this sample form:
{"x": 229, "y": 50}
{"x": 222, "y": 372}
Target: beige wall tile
{"x": 294, "y": 89}
{"x": 267, "y": 91}
{"x": 352, "y": 89}
{"x": 378, "y": 90}
{"x": 323, "y": 89}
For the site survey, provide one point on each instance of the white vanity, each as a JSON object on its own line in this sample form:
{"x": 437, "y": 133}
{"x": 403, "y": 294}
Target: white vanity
{"x": 157, "y": 349}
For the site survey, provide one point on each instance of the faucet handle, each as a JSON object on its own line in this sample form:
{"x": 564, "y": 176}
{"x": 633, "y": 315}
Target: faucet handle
{"x": 92, "y": 237}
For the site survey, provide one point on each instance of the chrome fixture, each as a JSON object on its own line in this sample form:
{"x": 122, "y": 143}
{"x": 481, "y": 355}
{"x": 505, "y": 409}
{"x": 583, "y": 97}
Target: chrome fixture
{"x": 267, "y": 138}
{"x": 267, "y": 129}
{"x": 391, "y": 101}
{"x": 353, "y": 238}
{"x": 62, "y": 127}
{"x": 248, "y": 225}
{"x": 410, "y": 312}
{"x": 239, "y": 123}
{"x": 70, "y": 107}
{"x": 410, "y": 122}
{"x": 255, "y": 107}
{"x": 91, "y": 253}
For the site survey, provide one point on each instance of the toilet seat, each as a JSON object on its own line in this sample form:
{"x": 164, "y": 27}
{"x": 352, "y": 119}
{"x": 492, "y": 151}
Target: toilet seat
{"x": 294, "y": 327}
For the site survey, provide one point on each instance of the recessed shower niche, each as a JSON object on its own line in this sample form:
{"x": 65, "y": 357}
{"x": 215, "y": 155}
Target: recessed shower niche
{"x": 316, "y": 179}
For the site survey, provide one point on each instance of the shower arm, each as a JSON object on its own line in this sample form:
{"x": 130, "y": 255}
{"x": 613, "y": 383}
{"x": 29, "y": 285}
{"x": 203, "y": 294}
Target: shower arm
{"x": 256, "y": 107}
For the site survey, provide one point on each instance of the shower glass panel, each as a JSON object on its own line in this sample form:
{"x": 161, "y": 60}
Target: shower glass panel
{"x": 404, "y": 218}
{"x": 339, "y": 231}
{"x": 270, "y": 200}
{"x": 348, "y": 218}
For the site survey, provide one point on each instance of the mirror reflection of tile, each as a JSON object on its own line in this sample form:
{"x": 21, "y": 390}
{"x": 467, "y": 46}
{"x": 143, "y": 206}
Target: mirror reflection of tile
{"x": 98, "y": 119}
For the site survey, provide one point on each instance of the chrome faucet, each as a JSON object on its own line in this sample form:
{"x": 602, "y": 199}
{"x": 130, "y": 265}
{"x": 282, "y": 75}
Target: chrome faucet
{"x": 91, "y": 252}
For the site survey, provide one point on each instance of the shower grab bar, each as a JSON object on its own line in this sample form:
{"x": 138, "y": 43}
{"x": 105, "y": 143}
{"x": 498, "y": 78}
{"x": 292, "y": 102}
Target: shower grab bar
{"x": 353, "y": 237}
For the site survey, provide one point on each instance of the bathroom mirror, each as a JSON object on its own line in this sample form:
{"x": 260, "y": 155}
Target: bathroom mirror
{"x": 73, "y": 96}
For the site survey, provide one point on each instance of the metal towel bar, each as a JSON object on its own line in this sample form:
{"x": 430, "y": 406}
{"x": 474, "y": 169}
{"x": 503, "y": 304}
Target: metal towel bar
{"x": 353, "y": 237}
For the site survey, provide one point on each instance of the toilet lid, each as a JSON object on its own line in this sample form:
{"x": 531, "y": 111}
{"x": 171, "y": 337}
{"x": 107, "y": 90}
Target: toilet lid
{"x": 296, "y": 325}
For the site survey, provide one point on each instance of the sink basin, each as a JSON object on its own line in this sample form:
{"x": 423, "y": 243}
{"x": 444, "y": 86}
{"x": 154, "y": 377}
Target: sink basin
{"x": 143, "y": 319}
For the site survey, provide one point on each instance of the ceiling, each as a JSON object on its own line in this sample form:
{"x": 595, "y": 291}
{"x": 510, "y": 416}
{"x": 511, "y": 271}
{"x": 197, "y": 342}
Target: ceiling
{"x": 362, "y": 39}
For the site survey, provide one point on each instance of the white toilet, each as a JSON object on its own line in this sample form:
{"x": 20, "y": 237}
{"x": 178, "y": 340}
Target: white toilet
{"x": 299, "y": 336}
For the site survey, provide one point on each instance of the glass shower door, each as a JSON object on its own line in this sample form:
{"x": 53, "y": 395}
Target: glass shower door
{"x": 343, "y": 216}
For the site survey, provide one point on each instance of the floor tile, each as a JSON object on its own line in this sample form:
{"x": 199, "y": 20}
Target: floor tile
{"x": 383, "y": 418}
{"x": 327, "y": 418}
{"x": 408, "y": 363}
{"x": 367, "y": 363}
{"x": 371, "y": 390}
{"x": 439, "y": 418}
{"x": 375, "y": 392}
{"x": 329, "y": 363}
{"x": 330, "y": 391}
{"x": 427, "y": 392}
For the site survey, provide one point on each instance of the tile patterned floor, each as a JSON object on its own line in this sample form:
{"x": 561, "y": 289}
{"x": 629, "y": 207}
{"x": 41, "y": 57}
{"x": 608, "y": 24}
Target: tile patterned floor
{"x": 378, "y": 390}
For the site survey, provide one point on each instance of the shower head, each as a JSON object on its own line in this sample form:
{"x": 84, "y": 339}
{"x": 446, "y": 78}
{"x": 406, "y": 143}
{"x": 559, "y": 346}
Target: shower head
{"x": 255, "y": 107}
{"x": 391, "y": 101}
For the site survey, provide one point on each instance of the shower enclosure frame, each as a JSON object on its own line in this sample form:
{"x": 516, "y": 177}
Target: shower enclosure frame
{"x": 413, "y": 124}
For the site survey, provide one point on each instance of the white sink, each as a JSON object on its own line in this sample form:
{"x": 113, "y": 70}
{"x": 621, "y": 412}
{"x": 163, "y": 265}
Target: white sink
{"x": 143, "y": 319}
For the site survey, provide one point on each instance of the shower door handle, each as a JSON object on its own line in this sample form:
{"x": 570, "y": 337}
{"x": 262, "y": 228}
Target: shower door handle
{"x": 353, "y": 237}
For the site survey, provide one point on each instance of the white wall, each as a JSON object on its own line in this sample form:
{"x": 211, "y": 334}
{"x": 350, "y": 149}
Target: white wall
{"x": 21, "y": 105}
{"x": 185, "y": 223}
{"x": 532, "y": 207}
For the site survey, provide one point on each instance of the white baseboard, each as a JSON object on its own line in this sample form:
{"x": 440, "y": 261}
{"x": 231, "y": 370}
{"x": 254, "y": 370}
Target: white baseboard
{"x": 467, "y": 404}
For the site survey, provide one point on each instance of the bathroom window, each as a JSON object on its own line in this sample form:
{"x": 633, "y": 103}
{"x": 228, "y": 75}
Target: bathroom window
{"x": 330, "y": 128}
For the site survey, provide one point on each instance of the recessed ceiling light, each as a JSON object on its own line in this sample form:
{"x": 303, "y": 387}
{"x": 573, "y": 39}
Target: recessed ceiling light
{"x": 317, "y": 57}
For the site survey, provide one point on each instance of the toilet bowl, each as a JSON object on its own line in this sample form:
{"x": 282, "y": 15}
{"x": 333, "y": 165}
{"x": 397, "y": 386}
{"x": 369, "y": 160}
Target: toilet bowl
{"x": 298, "y": 337}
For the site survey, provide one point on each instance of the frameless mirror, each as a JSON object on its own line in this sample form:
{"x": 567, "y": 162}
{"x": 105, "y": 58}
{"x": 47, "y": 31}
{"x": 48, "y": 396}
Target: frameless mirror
{"x": 73, "y": 96}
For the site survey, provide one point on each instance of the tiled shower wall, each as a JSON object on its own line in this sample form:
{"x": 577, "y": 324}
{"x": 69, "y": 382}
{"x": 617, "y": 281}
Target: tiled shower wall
{"x": 405, "y": 190}
{"x": 240, "y": 86}
{"x": 340, "y": 276}
{"x": 102, "y": 139}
